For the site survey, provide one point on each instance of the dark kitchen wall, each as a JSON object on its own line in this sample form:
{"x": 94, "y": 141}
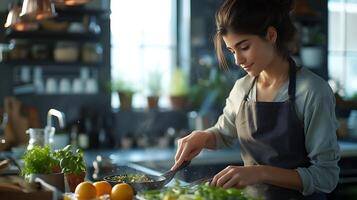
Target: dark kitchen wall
{"x": 202, "y": 30}
{"x": 5, "y": 72}
{"x": 70, "y": 104}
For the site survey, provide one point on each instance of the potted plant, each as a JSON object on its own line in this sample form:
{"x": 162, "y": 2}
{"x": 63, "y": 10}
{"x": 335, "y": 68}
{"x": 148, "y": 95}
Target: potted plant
{"x": 312, "y": 49}
{"x": 40, "y": 163}
{"x": 179, "y": 89}
{"x": 210, "y": 93}
{"x": 154, "y": 89}
{"x": 72, "y": 165}
{"x": 125, "y": 92}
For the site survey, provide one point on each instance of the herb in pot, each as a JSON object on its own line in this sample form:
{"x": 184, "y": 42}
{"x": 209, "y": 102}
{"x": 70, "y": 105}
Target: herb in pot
{"x": 72, "y": 165}
{"x": 69, "y": 161}
{"x": 38, "y": 160}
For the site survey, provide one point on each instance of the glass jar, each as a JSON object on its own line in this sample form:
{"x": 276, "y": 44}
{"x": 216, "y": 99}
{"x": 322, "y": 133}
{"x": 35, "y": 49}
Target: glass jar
{"x": 92, "y": 53}
{"x": 40, "y": 137}
{"x": 18, "y": 49}
{"x": 40, "y": 52}
{"x": 66, "y": 52}
{"x": 37, "y": 137}
{"x": 4, "y": 51}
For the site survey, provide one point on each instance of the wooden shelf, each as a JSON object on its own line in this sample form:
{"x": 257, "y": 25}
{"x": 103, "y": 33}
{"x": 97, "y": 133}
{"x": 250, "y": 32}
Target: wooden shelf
{"x": 58, "y": 95}
{"x": 49, "y": 63}
{"x": 80, "y": 11}
{"x": 51, "y": 36}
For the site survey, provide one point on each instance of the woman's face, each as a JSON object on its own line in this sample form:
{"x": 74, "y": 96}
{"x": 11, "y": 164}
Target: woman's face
{"x": 251, "y": 52}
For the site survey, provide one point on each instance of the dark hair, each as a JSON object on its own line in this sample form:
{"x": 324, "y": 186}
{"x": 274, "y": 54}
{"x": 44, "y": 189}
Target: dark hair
{"x": 254, "y": 17}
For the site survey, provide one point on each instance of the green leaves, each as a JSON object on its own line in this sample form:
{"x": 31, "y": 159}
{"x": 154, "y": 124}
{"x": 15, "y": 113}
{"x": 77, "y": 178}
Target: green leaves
{"x": 198, "y": 192}
{"x": 69, "y": 161}
{"x": 38, "y": 160}
{"x": 41, "y": 160}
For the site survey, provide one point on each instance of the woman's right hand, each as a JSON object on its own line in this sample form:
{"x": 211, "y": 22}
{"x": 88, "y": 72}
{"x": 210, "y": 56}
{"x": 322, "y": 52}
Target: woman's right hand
{"x": 190, "y": 146}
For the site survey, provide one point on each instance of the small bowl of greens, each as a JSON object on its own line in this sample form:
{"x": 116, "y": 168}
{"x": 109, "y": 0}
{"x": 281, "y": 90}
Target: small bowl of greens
{"x": 139, "y": 181}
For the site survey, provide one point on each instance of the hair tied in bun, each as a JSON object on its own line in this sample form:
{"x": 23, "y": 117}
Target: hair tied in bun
{"x": 283, "y": 6}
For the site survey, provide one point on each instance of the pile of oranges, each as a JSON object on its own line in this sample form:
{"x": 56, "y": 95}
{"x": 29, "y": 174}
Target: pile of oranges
{"x": 103, "y": 190}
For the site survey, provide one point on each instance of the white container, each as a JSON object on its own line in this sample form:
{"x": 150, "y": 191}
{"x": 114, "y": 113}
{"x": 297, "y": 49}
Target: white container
{"x": 77, "y": 86}
{"x": 311, "y": 57}
{"x": 91, "y": 86}
{"x": 65, "y": 86}
{"x": 25, "y": 74}
{"x": 51, "y": 86}
{"x": 84, "y": 73}
{"x": 39, "y": 86}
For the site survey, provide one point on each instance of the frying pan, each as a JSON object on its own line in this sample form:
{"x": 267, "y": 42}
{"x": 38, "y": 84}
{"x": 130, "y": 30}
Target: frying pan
{"x": 157, "y": 182}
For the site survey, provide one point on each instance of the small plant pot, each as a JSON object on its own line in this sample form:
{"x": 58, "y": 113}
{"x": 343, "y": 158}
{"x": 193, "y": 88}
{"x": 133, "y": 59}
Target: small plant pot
{"x": 55, "y": 179}
{"x": 74, "y": 179}
{"x": 56, "y": 169}
{"x": 179, "y": 102}
{"x": 153, "y": 102}
{"x": 125, "y": 100}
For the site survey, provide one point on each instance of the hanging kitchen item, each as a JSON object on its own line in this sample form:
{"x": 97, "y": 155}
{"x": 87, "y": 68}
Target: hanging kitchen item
{"x": 71, "y": 2}
{"x": 14, "y": 21}
{"x": 33, "y": 10}
{"x": 13, "y": 16}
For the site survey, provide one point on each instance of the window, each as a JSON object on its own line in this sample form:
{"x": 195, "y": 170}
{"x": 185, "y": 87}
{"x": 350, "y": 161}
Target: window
{"x": 343, "y": 44}
{"x": 143, "y": 40}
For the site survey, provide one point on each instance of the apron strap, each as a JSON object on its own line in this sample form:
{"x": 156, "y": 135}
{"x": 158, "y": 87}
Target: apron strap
{"x": 292, "y": 79}
{"x": 250, "y": 88}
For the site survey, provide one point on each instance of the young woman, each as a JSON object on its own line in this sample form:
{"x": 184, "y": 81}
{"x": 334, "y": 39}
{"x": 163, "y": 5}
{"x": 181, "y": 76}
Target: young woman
{"x": 282, "y": 115}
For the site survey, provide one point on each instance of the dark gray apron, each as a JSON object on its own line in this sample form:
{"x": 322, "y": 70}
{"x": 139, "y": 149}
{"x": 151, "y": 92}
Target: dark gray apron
{"x": 270, "y": 133}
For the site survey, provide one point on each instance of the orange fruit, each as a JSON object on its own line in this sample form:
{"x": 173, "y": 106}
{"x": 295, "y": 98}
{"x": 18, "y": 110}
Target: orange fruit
{"x": 122, "y": 191}
{"x": 102, "y": 187}
{"x": 85, "y": 191}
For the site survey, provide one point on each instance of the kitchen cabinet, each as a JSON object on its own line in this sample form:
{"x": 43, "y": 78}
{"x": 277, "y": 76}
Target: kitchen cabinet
{"x": 64, "y": 64}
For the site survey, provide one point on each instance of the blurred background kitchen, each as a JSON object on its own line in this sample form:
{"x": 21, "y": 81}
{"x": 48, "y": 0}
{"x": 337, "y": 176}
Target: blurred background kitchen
{"x": 139, "y": 74}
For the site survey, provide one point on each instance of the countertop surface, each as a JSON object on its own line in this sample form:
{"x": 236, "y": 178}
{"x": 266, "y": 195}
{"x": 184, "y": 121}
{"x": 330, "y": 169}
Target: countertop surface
{"x": 166, "y": 155}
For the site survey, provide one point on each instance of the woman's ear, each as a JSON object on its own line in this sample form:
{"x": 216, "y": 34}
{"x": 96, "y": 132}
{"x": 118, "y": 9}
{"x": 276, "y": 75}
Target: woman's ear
{"x": 271, "y": 34}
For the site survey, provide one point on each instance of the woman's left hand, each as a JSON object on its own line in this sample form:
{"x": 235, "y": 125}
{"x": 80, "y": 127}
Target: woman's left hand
{"x": 238, "y": 176}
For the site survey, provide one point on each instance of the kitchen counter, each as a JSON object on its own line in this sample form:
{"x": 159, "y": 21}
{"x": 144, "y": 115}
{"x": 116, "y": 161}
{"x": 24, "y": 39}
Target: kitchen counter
{"x": 207, "y": 163}
{"x": 348, "y": 149}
